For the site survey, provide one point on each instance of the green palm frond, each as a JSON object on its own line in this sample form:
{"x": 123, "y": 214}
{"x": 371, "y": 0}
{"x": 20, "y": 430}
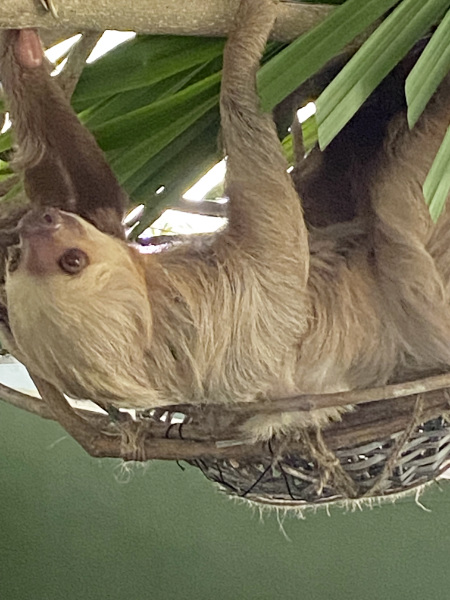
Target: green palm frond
{"x": 152, "y": 102}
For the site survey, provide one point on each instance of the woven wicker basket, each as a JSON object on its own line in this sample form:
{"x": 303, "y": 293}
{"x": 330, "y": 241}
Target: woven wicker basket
{"x": 381, "y": 467}
{"x": 396, "y": 439}
{"x": 384, "y": 447}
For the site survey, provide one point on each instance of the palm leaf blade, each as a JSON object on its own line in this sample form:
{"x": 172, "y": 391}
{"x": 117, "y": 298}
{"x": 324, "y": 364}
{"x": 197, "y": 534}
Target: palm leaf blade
{"x": 375, "y": 59}
{"x": 429, "y": 71}
{"x": 437, "y": 184}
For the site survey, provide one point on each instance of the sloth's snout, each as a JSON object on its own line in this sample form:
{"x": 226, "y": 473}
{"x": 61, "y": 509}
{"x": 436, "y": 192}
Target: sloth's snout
{"x": 40, "y": 222}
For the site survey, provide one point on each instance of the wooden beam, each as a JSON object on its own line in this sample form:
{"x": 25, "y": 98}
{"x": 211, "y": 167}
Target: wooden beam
{"x": 195, "y": 17}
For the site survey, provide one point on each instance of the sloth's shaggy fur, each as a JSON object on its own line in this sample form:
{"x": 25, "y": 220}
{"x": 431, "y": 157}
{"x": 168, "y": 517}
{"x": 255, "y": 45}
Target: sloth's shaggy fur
{"x": 267, "y": 307}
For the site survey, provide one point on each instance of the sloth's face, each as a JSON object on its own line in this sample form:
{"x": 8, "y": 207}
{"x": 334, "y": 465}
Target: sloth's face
{"x": 78, "y": 305}
{"x": 54, "y": 242}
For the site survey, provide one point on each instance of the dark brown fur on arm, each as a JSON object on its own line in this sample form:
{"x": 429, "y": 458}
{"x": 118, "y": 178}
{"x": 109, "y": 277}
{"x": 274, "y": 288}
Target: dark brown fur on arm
{"x": 61, "y": 161}
{"x": 411, "y": 252}
{"x": 380, "y": 280}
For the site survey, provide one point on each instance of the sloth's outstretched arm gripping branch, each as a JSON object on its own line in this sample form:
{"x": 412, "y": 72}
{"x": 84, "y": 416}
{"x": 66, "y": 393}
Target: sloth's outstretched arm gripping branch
{"x": 265, "y": 202}
{"x": 62, "y": 163}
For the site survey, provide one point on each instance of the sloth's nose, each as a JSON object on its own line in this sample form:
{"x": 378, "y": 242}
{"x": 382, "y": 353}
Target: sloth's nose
{"x": 43, "y": 221}
{"x": 50, "y": 217}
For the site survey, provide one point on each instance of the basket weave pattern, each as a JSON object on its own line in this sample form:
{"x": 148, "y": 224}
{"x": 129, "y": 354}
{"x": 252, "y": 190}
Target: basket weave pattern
{"x": 383, "y": 467}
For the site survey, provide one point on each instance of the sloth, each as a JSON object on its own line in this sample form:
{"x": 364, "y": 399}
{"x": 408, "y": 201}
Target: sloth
{"x": 348, "y": 291}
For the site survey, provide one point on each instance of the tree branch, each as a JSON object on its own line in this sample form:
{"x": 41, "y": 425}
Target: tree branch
{"x": 33, "y": 405}
{"x": 76, "y": 61}
{"x": 196, "y": 17}
{"x": 309, "y": 402}
{"x": 215, "y": 431}
{"x": 74, "y": 423}
{"x": 208, "y": 208}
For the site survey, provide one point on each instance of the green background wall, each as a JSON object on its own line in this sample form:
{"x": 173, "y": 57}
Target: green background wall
{"x": 70, "y": 530}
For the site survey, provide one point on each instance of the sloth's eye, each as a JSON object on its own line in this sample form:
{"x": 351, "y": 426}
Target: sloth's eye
{"x": 73, "y": 261}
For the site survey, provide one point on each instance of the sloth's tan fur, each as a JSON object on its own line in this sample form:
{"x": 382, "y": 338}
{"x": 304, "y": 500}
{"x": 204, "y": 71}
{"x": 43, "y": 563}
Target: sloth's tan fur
{"x": 264, "y": 308}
